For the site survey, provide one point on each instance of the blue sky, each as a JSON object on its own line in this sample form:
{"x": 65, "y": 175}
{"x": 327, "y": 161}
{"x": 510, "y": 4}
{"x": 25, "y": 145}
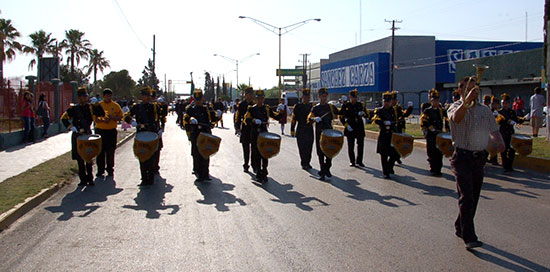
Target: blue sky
{"x": 189, "y": 33}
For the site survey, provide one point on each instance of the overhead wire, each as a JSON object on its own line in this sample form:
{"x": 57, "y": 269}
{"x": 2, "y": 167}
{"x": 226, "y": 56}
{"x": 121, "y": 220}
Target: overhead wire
{"x": 121, "y": 12}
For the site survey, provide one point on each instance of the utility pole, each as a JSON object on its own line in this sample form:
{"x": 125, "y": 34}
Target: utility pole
{"x": 154, "y": 53}
{"x": 393, "y": 29}
{"x": 304, "y": 65}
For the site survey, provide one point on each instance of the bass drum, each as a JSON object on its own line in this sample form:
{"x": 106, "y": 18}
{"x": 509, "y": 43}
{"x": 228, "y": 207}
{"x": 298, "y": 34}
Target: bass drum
{"x": 403, "y": 143}
{"x": 88, "y": 146}
{"x": 523, "y": 144}
{"x": 444, "y": 143}
{"x": 269, "y": 144}
{"x": 331, "y": 142}
{"x": 146, "y": 144}
{"x": 208, "y": 144}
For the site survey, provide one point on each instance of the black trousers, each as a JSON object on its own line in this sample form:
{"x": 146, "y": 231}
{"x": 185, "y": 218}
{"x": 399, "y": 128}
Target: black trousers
{"x": 324, "y": 162}
{"x": 435, "y": 157}
{"x": 351, "y": 146}
{"x": 84, "y": 171}
{"x": 259, "y": 163}
{"x": 305, "y": 146}
{"x": 147, "y": 172}
{"x": 156, "y": 156}
{"x": 468, "y": 170}
{"x": 387, "y": 163}
{"x": 246, "y": 153}
{"x": 508, "y": 154}
{"x": 106, "y": 158}
{"x": 200, "y": 164}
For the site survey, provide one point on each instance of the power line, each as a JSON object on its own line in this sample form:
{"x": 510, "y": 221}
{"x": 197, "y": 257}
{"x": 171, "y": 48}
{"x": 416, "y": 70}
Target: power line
{"x": 128, "y": 22}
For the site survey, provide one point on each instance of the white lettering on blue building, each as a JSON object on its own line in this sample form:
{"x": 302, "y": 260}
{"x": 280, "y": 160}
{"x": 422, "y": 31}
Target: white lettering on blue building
{"x": 356, "y": 75}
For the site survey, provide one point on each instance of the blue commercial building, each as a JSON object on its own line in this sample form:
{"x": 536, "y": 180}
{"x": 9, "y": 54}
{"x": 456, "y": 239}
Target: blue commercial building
{"x": 420, "y": 64}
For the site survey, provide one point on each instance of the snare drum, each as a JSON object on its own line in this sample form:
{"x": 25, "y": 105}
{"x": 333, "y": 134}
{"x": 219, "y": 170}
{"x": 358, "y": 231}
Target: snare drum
{"x": 88, "y": 146}
{"x": 444, "y": 143}
{"x": 208, "y": 144}
{"x": 331, "y": 142}
{"x": 269, "y": 144}
{"x": 146, "y": 144}
{"x": 403, "y": 143}
{"x": 522, "y": 143}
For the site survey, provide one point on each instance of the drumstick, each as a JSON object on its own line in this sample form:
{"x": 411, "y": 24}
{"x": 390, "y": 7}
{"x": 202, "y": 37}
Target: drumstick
{"x": 322, "y": 115}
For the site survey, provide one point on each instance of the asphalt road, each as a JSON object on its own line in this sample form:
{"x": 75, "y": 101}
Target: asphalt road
{"x": 355, "y": 221}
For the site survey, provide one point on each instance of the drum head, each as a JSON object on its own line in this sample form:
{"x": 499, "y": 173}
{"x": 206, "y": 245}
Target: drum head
{"x": 445, "y": 135}
{"x": 270, "y": 136}
{"x": 146, "y": 136}
{"x": 332, "y": 133}
{"x": 89, "y": 137}
{"x": 522, "y": 137}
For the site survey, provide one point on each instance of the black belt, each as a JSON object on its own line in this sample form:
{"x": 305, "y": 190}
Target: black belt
{"x": 474, "y": 154}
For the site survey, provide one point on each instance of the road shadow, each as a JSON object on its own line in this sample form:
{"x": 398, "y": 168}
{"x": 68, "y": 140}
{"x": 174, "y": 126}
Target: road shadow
{"x": 426, "y": 189}
{"x": 215, "y": 192}
{"x": 426, "y": 172}
{"x": 81, "y": 199}
{"x": 351, "y": 186}
{"x": 285, "y": 195}
{"x": 377, "y": 173}
{"x": 151, "y": 199}
{"x": 529, "y": 180}
{"x": 487, "y": 186}
{"x": 507, "y": 260}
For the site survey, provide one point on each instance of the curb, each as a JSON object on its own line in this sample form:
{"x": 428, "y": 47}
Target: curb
{"x": 9, "y": 217}
{"x": 540, "y": 165}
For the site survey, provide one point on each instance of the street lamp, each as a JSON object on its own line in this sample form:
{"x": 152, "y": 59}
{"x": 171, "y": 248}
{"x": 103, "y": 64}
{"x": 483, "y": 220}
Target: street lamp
{"x": 280, "y": 32}
{"x": 236, "y": 63}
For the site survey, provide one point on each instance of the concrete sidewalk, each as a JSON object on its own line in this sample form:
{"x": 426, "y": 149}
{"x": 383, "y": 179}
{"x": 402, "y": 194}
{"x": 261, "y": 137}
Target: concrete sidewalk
{"x": 18, "y": 159}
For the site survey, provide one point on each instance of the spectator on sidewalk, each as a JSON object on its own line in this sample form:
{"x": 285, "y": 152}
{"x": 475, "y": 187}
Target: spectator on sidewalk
{"x": 105, "y": 125}
{"x": 28, "y": 115}
{"x": 518, "y": 106}
{"x": 44, "y": 112}
{"x": 537, "y": 102}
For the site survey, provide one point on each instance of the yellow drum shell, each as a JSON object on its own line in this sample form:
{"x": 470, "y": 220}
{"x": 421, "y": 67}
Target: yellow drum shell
{"x": 523, "y": 144}
{"x": 444, "y": 143}
{"x": 88, "y": 146}
{"x": 403, "y": 143}
{"x": 269, "y": 144}
{"x": 146, "y": 144}
{"x": 331, "y": 142}
{"x": 208, "y": 144}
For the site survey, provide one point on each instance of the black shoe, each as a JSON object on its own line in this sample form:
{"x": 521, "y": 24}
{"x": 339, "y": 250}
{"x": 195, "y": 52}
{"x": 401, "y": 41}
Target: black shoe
{"x": 309, "y": 167}
{"x": 458, "y": 234}
{"x": 245, "y": 169}
{"x": 508, "y": 170}
{"x": 473, "y": 244}
{"x": 82, "y": 183}
{"x": 387, "y": 176}
{"x": 399, "y": 161}
{"x": 329, "y": 175}
{"x": 392, "y": 172}
{"x": 255, "y": 170}
{"x": 305, "y": 167}
{"x": 199, "y": 180}
{"x": 352, "y": 164}
{"x": 360, "y": 164}
{"x": 91, "y": 183}
{"x": 99, "y": 174}
{"x": 322, "y": 177}
{"x": 110, "y": 174}
{"x": 437, "y": 174}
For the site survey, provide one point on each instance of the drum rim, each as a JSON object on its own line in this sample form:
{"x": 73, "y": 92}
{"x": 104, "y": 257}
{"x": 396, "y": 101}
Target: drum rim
{"x": 88, "y": 136}
{"x": 277, "y": 136}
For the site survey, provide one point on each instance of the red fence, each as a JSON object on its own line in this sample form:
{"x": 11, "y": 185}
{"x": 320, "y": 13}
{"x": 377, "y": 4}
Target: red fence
{"x": 10, "y": 100}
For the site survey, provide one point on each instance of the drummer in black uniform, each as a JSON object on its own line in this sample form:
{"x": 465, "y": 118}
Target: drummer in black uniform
{"x": 400, "y": 115}
{"x": 432, "y": 121}
{"x": 385, "y": 118}
{"x": 323, "y": 114}
{"x": 257, "y": 117}
{"x": 162, "y": 110}
{"x": 199, "y": 118}
{"x": 506, "y": 120}
{"x": 242, "y": 129}
{"x": 78, "y": 118}
{"x": 304, "y": 131}
{"x": 351, "y": 116}
{"x": 146, "y": 119}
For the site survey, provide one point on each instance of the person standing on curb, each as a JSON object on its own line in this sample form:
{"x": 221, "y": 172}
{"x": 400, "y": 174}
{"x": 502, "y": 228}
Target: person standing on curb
{"x": 106, "y": 127}
{"x": 44, "y": 112}
{"x": 27, "y": 114}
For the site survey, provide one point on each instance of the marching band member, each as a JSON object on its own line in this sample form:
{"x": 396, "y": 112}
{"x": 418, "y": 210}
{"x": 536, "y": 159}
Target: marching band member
{"x": 385, "y": 118}
{"x": 432, "y": 121}
{"x": 304, "y": 129}
{"x": 506, "y": 120}
{"x": 199, "y": 118}
{"x": 400, "y": 115}
{"x": 257, "y": 117}
{"x": 161, "y": 120}
{"x": 146, "y": 119}
{"x": 351, "y": 116}
{"x": 242, "y": 129}
{"x": 78, "y": 118}
{"x": 323, "y": 114}
{"x": 106, "y": 127}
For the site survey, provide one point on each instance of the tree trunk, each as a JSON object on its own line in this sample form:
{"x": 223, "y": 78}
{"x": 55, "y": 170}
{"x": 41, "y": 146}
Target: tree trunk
{"x": 2, "y": 73}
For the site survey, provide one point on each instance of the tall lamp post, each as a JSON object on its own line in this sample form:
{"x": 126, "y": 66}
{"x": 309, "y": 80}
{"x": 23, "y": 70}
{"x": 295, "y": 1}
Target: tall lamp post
{"x": 236, "y": 63}
{"x": 279, "y": 31}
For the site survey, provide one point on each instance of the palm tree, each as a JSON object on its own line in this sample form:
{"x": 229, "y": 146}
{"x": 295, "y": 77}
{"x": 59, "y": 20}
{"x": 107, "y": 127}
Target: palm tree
{"x": 97, "y": 62}
{"x": 8, "y": 44}
{"x": 42, "y": 42}
{"x": 76, "y": 46}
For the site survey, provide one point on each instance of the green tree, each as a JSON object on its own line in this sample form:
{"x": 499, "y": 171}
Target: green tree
{"x": 97, "y": 62}
{"x": 224, "y": 88}
{"x": 121, "y": 83}
{"x": 8, "y": 44}
{"x": 272, "y": 93}
{"x": 208, "y": 86}
{"x": 41, "y": 43}
{"x": 149, "y": 78}
{"x": 78, "y": 75}
{"x": 240, "y": 90}
{"x": 76, "y": 47}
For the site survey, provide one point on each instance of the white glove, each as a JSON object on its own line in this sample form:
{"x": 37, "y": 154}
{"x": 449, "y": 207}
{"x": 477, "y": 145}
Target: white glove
{"x": 512, "y": 122}
{"x": 134, "y": 124}
{"x": 387, "y": 123}
{"x": 317, "y": 119}
{"x": 257, "y": 121}
{"x": 93, "y": 100}
{"x": 193, "y": 121}
{"x": 160, "y": 132}
{"x": 219, "y": 112}
{"x": 160, "y": 100}
{"x": 495, "y": 113}
{"x": 73, "y": 129}
{"x": 410, "y": 104}
{"x": 349, "y": 128}
{"x": 361, "y": 113}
